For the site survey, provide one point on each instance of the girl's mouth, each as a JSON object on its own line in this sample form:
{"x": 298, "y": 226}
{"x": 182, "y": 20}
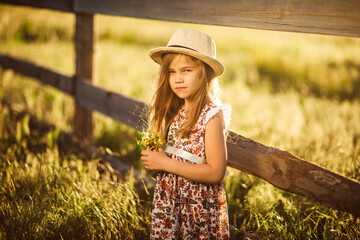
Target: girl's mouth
{"x": 180, "y": 88}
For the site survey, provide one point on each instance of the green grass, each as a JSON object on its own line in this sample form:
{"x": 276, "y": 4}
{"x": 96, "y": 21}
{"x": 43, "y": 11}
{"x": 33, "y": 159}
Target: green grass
{"x": 53, "y": 190}
{"x": 256, "y": 206}
{"x": 298, "y": 92}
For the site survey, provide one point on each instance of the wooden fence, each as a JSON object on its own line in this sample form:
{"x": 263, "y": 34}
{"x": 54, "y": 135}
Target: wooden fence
{"x": 280, "y": 168}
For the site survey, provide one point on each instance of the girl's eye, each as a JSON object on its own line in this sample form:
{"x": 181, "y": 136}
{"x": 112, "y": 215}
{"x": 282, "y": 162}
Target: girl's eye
{"x": 170, "y": 72}
{"x": 187, "y": 70}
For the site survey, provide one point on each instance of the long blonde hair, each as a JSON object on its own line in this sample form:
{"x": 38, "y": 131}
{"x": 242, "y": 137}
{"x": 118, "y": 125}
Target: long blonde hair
{"x": 166, "y": 103}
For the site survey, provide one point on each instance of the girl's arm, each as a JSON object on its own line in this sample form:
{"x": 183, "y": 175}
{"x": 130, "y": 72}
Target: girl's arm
{"x": 212, "y": 171}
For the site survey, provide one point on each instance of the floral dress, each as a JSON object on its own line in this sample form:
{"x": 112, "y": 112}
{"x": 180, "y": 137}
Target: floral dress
{"x": 186, "y": 209}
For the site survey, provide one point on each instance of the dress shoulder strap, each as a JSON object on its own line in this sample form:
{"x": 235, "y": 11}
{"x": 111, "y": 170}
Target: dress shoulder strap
{"x": 225, "y": 110}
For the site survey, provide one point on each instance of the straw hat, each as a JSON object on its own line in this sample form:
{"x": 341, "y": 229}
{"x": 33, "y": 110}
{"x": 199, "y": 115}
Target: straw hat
{"x": 193, "y": 43}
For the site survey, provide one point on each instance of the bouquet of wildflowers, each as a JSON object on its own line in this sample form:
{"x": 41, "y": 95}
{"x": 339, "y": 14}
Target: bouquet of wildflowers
{"x": 150, "y": 140}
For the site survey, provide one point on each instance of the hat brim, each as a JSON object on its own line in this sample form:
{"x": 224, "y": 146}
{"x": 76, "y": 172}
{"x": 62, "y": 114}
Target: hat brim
{"x": 157, "y": 55}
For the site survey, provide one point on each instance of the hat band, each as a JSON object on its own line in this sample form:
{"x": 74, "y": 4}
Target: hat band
{"x": 182, "y": 47}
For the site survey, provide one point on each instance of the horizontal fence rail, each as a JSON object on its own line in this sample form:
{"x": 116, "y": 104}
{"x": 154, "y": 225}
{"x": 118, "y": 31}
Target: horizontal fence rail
{"x": 50, "y": 77}
{"x": 333, "y": 17}
{"x": 278, "y": 167}
{"x": 289, "y": 173}
{"x": 117, "y": 106}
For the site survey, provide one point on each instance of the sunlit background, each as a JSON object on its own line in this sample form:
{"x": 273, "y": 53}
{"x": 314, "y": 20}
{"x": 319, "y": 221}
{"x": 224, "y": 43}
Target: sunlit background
{"x": 298, "y": 92}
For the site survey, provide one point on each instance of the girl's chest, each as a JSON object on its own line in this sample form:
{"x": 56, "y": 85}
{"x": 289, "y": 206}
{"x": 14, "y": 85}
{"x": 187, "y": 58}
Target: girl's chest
{"x": 196, "y": 140}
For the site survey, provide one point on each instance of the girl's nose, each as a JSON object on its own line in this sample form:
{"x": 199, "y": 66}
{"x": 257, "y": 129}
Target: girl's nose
{"x": 178, "y": 78}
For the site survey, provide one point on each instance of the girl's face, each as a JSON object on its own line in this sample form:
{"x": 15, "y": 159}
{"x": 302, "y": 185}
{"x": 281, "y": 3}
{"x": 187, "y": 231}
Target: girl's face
{"x": 184, "y": 76}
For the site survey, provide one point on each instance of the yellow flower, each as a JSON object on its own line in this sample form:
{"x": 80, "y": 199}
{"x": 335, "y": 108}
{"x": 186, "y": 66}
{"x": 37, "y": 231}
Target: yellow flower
{"x": 150, "y": 140}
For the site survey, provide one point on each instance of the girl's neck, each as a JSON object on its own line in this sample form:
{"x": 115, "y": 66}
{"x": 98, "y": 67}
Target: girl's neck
{"x": 186, "y": 105}
{"x": 183, "y": 107}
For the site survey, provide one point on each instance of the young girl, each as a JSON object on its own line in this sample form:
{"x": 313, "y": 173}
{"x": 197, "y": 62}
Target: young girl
{"x": 189, "y": 198}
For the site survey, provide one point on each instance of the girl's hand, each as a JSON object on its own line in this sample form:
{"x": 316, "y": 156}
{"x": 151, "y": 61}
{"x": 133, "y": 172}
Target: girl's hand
{"x": 154, "y": 160}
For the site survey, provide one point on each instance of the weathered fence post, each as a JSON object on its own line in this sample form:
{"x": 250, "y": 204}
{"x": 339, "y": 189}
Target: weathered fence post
{"x": 85, "y": 40}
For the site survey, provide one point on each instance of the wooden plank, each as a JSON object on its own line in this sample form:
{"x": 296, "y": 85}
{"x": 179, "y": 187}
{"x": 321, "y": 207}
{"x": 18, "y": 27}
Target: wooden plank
{"x": 334, "y": 17}
{"x": 117, "y": 106}
{"x": 47, "y": 76}
{"x": 294, "y": 175}
{"x": 61, "y": 5}
{"x": 85, "y": 42}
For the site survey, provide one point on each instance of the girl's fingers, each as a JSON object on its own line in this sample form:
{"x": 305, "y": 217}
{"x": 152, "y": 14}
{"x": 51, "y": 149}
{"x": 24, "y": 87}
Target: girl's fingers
{"x": 146, "y": 164}
{"x": 146, "y": 152}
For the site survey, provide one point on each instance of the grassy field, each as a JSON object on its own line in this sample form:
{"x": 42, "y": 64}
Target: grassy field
{"x": 50, "y": 189}
{"x": 298, "y": 92}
